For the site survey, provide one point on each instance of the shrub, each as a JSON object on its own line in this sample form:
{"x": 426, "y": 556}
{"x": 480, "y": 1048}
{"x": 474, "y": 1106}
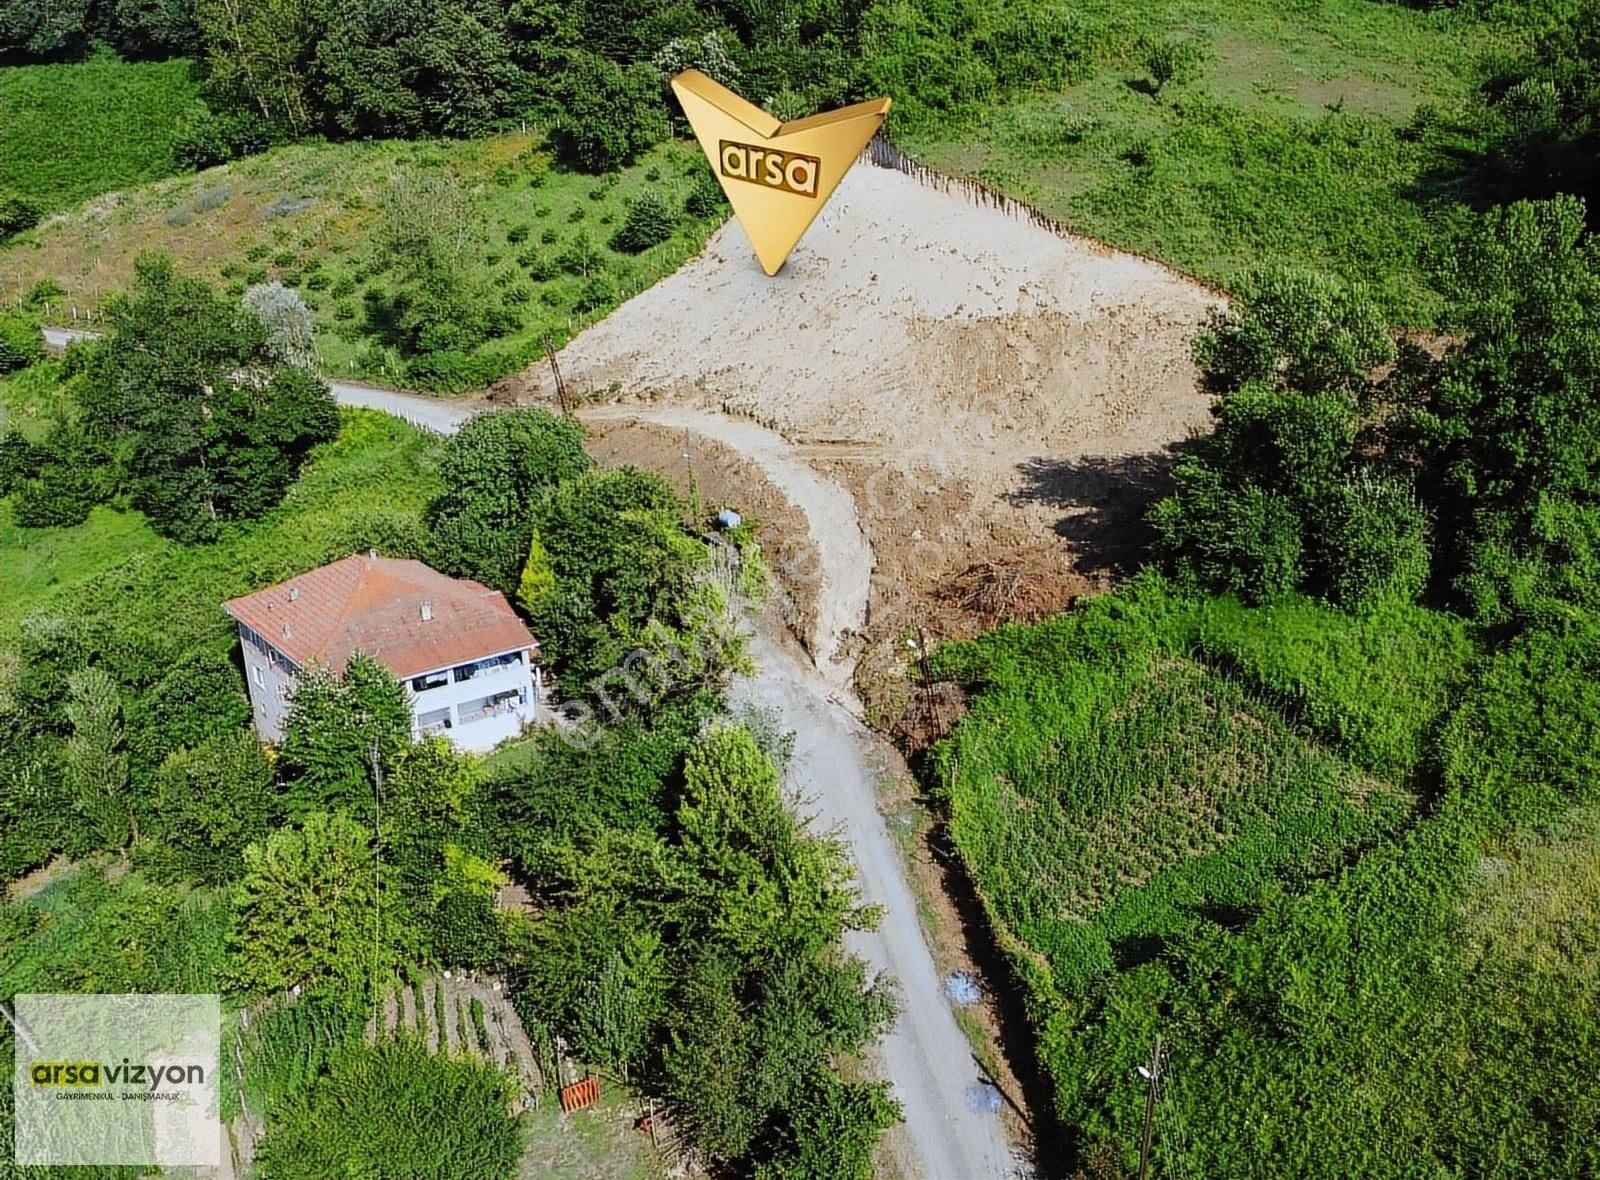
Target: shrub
{"x": 1239, "y": 538}
{"x": 1373, "y": 542}
{"x": 650, "y": 222}
{"x": 396, "y": 1109}
{"x": 17, "y": 213}
{"x": 218, "y": 137}
{"x": 1174, "y": 63}
{"x": 21, "y": 343}
{"x": 706, "y": 199}
{"x": 518, "y": 234}
{"x": 74, "y": 473}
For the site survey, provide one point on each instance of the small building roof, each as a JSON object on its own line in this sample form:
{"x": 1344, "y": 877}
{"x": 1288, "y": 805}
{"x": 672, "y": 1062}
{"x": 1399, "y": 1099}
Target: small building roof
{"x": 407, "y": 616}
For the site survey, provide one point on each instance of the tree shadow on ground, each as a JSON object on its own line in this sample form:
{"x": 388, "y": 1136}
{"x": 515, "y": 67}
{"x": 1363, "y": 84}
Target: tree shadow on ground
{"x": 1103, "y": 500}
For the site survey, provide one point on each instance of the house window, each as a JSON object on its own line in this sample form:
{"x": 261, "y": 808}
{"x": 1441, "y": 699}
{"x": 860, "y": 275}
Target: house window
{"x": 433, "y": 721}
{"x": 255, "y": 672}
{"x": 431, "y": 680}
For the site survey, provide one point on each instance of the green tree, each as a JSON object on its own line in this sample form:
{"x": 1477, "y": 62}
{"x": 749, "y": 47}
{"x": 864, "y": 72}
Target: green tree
{"x": 831, "y": 1130}
{"x": 609, "y": 114}
{"x": 211, "y": 801}
{"x": 337, "y": 728}
{"x": 1294, "y": 329}
{"x": 16, "y": 214}
{"x": 18, "y": 460}
{"x": 215, "y": 431}
{"x": 21, "y": 343}
{"x": 1374, "y": 542}
{"x": 315, "y": 909}
{"x": 494, "y": 469}
{"x": 429, "y": 235}
{"x": 95, "y": 765}
{"x": 538, "y": 579}
{"x": 628, "y": 578}
{"x": 650, "y": 221}
{"x": 708, "y": 1058}
{"x": 415, "y": 68}
{"x": 1512, "y": 432}
{"x": 71, "y": 473}
{"x": 260, "y": 55}
{"x": 1541, "y": 115}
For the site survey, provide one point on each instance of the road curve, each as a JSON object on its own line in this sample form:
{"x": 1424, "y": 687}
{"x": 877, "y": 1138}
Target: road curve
{"x": 949, "y": 1132}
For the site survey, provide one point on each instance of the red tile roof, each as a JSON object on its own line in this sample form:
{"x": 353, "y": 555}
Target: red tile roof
{"x": 374, "y": 605}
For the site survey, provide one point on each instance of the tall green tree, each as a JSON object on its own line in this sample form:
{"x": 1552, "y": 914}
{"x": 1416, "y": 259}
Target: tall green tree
{"x": 211, "y": 802}
{"x": 95, "y": 764}
{"x": 316, "y": 909}
{"x": 494, "y": 470}
{"x": 215, "y": 432}
{"x": 1513, "y": 427}
{"x": 342, "y": 735}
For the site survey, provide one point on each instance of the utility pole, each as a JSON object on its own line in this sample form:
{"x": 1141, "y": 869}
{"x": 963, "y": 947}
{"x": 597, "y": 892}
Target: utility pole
{"x": 1152, "y": 1076}
{"x": 555, "y": 370}
{"x": 694, "y": 484}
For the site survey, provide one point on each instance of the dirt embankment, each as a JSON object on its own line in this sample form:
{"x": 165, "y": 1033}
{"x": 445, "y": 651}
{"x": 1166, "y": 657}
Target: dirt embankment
{"x": 1000, "y": 399}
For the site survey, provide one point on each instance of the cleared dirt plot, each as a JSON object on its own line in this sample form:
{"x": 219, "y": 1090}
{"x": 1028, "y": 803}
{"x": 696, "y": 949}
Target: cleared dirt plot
{"x": 980, "y": 383}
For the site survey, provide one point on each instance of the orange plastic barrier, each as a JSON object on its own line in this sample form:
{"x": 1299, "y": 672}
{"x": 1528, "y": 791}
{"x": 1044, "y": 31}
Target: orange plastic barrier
{"x": 580, "y": 1094}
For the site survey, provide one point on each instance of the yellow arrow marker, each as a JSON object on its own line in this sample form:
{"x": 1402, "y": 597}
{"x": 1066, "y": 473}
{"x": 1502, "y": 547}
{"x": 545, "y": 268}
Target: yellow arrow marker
{"x": 777, "y": 175}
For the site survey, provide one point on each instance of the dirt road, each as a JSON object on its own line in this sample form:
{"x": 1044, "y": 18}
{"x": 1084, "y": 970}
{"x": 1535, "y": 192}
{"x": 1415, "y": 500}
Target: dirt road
{"x": 948, "y": 1134}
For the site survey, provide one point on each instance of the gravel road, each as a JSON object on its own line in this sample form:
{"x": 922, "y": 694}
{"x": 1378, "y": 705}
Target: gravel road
{"x": 837, "y": 763}
{"x": 949, "y": 1133}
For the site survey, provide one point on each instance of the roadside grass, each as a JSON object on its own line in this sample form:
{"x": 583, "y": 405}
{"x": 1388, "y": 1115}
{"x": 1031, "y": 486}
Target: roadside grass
{"x": 306, "y": 214}
{"x": 74, "y": 131}
{"x": 1290, "y": 145}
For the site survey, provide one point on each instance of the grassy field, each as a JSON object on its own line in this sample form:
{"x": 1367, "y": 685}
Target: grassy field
{"x": 72, "y": 132}
{"x": 306, "y": 215}
{"x": 1153, "y": 799}
{"x": 600, "y": 1141}
{"x": 1107, "y": 792}
{"x": 1291, "y": 142}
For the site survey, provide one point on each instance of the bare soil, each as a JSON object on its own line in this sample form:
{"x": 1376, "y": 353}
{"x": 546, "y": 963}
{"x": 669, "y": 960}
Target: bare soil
{"x": 1001, "y": 399}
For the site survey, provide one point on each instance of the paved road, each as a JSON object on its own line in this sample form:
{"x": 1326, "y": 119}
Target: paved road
{"x": 837, "y": 763}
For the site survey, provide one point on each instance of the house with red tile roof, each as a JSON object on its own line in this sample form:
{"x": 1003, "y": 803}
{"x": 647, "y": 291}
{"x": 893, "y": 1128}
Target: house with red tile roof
{"x": 468, "y": 663}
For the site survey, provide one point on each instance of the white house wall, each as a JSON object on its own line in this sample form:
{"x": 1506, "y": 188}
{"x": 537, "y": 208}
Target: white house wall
{"x": 272, "y": 686}
{"x": 486, "y": 732}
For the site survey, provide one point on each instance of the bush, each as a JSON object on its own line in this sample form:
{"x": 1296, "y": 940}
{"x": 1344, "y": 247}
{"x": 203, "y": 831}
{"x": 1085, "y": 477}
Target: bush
{"x": 17, "y": 213}
{"x": 1373, "y": 542}
{"x": 650, "y": 222}
{"x": 21, "y": 343}
{"x": 74, "y": 473}
{"x": 1238, "y": 538}
{"x": 218, "y": 137}
{"x": 706, "y": 200}
{"x": 394, "y": 1109}
{"x": 1174, "y": 63}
